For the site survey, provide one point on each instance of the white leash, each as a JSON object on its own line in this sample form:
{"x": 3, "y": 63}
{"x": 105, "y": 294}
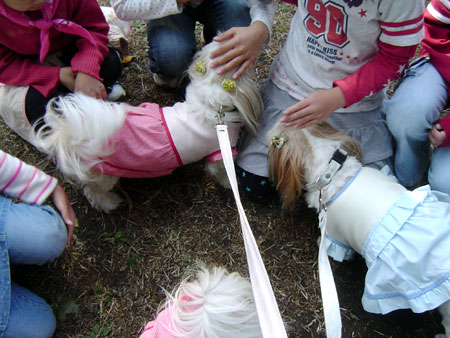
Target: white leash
{"x": 330, "y": 301}
{"x": 266, "y": 305}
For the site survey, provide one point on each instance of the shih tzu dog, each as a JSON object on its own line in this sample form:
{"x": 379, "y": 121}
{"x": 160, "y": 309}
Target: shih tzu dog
{"x": 403, "y": 235}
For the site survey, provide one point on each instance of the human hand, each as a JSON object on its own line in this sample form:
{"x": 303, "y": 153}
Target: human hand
{"x": 240, "y": 49}
{"x": 89, "y": 86}
{"x": 67, "y": 78}
{"x": 436, "y": 135}
{"x": 315, "y": 108}
{"x": 64, "y": 207}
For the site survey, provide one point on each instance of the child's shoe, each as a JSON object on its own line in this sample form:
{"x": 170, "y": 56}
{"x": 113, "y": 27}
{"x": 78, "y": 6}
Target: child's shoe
{"x": 116, "y": 93}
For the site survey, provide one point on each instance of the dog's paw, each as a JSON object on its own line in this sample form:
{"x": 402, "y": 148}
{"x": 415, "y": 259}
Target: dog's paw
{"x": 106, "y": 201}
{"x": 218, "y": 173}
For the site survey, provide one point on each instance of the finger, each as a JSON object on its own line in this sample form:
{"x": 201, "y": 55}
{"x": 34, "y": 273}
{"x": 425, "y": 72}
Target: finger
{"x": 295, "y": 115}
{"x": 231, "y": 64}
{"x": 308, "y": 124}
{"x": 301, "y": 121}
{"x": 104, "y": 93}
{"x": 242, "y": 69}
{"x": 70, "y": 226}
{"x": 222, "y": 50}
{"x": 295, "y": 108}
{"x": 224, "y": 59}
{"x": 225, "y": 35}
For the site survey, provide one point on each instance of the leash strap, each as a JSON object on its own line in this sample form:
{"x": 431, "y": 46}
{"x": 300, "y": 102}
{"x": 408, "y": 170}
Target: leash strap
{"x": 330, "y": 301}
{"x": 266, "y": 305}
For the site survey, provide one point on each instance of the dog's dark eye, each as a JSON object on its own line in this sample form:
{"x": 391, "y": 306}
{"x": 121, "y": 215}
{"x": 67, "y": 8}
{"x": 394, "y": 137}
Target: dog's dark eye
{"x": 55, "y": 105}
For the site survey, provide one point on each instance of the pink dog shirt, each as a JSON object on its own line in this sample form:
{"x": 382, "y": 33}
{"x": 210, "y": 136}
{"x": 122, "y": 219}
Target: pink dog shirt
{"x": 161, "y": 327}
{"x": 154, "y": 141}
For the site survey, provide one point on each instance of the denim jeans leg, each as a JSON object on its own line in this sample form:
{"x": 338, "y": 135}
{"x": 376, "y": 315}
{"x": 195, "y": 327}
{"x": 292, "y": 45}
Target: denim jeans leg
{"x": 439, "y": 174}
{"x": 30, "y": 316}
{"x": 410, "y": 113}
{"x": 220, "y": 15}
{"x": 172, "y": 44}
{"x": 34, "y": 234}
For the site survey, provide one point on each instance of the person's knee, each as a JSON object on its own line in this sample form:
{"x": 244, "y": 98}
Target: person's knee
{"x": 34, "y": 234}
{"x": 170, "y": 56}
{"x": 438, "y": 178}
{"x": 53, "y": 238}
{"x": 403, "y": 119}
{"x": 30, "y": 316}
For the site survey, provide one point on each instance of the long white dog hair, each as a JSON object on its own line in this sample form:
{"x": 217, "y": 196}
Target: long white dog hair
{"x": 77, "y": 129}
{"x": 211, "y": 302}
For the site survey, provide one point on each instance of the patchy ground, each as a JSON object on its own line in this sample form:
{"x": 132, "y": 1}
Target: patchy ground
{"x": 110, "y": 281}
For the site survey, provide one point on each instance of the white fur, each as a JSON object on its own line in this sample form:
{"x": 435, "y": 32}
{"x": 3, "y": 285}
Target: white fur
{"x": 309, "y": 154}
{"x": 78, "y": 128}
{"x": 221, "y": 305}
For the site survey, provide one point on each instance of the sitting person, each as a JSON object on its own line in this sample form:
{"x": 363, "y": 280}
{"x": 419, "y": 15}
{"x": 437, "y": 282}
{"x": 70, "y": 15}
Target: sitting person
{"x": 337, "y": 59}
{"x": 30, "y": 233}
{"x": 415, "y": 109}
{"x": 171, "y": 32}
{"x": 48, "y": 48}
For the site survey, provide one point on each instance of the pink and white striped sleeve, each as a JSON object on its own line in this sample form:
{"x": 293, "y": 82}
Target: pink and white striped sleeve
{"x": 23, "y": 181}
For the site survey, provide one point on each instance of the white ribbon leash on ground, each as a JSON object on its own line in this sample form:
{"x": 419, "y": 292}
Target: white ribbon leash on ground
{"x": 268, "y": 313}
{"x": 330, "y": 301}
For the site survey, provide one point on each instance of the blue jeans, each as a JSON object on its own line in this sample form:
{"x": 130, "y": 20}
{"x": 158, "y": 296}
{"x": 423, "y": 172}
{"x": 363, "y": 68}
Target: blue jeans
{"x": 415, "y": 107}
{"x": 34, "y": 235}
{"x": 171, "y": 39}
{"x": 439, "y": 172}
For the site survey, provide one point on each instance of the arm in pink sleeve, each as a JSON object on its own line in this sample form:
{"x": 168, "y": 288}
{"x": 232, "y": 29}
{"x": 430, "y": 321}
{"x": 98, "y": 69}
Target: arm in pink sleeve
{"x": 387, "y": 65}
{"x": 15, "y": 70}
{"x": 89, "y": 58}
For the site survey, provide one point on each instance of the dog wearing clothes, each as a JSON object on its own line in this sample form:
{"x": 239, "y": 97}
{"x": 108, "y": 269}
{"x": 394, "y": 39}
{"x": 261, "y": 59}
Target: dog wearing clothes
{"x": 403, "y": 235}
{"x": 94, "y": 142}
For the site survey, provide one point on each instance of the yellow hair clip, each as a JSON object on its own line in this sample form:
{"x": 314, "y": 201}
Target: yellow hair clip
{"x": 200, "y": 67}
{"x": 229, "y": 85}
{"x": 277, "y": 141}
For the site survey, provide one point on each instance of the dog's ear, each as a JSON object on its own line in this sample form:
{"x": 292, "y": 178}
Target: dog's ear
{"x": 325, "y": 130}
{"x": 286, "y": 167}
{"x": 247, "y": 100}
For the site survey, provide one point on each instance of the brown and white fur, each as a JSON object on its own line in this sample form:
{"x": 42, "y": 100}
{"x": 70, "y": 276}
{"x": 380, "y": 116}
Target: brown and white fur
{"x": 303, "y": 158}
{"x": 209, "y": 302}
{"x": 78, "y": 129}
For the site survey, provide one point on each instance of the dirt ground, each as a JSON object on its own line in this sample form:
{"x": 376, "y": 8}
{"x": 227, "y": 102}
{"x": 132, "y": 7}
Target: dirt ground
{"x": 110, "y": 281}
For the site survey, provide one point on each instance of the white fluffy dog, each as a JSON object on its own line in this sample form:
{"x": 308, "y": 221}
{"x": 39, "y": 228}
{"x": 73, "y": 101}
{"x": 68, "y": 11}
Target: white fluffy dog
{"x": 94, "y": 141}
{"x": 210, "y": 303}
{"x": 403, "y": 235}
